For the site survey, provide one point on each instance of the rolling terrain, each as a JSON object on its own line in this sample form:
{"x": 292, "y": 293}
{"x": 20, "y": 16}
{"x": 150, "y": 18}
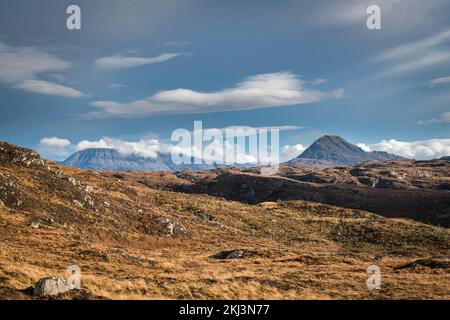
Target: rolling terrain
{"x": 171, "y": 235}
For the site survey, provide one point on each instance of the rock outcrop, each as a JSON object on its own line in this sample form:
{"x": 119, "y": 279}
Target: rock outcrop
{"x": 13, "y": 155}
{"x": 51, "y": 286}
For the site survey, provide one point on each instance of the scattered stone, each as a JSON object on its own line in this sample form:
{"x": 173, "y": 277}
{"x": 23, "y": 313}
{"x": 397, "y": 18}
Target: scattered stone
{"x": 48, "y": 220}
{"x": 89, "y": 189}
{"x": 152, "y": 263}
{"x": 51, "y": 286}
{"x": 172, "y": 228}
{"x": 88, "y": 200}
{"x": 73, "y": 181}
{"x": 35, "y": 224}
{"x": 233, "y": 254}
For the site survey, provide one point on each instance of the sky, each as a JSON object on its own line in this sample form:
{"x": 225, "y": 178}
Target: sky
{"x": 139, "y": 69}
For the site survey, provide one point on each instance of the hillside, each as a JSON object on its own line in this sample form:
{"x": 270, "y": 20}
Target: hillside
{"x": 330, "y": 151}
{"x": 416, "y": 190}
{"x": 133, "y": 240}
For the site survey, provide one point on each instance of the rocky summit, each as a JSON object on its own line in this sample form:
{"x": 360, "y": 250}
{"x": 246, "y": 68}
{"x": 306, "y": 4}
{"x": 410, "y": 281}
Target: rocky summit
{"x": 330, "y": 151}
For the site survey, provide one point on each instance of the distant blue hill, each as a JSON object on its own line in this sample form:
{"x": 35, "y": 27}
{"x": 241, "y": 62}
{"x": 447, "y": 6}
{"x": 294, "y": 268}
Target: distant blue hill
{"x": 111, "y": 159}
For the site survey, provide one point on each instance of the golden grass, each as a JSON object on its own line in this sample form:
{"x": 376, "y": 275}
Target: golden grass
{"x": 302, "y": 250}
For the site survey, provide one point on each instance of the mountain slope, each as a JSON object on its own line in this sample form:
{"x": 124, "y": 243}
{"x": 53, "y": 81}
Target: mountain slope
{"x": 335, "y": 151}
{"x": 135, "y": 241}
{"x": 111, "y": 159}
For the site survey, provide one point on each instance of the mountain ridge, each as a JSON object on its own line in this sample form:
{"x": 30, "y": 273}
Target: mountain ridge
{"x": 332, "y": 150}
{"x": 327, "y": 151}
{"x": 112, "y": 159}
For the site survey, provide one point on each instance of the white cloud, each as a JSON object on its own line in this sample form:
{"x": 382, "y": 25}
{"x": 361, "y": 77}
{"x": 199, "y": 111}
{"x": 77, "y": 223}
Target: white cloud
{"x": 62, "y": 148}
{"x": 363, "y": 146}
{"x": 424, "y": 149}
{"x": 21, "y": 65}
{"x": 48, "y": 88}
{"x": 86, "y": 144}
{"x": 289, "y": 152}
{"x": 54, "y": 142}
{"x": 144, "y": 147}
{"x": 18, "y": 63}
{"x": 54, "y": 147}
{"x": 443, "y": 118}
{"x": 255, "y": 92}
{"x": 438, "y": 81}
{"x": 118, "y": 62}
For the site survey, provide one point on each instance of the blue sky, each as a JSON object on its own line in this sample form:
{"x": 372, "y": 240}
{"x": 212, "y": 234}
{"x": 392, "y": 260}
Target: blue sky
{"x": 139, "y": 69}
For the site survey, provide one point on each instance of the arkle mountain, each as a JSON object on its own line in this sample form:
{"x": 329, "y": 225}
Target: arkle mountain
{"x": 330, "y": 151}
{"x": 111, "y": 159}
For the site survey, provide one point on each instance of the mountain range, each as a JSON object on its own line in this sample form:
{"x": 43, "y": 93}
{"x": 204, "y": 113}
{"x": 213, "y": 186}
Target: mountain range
{"x": 327, "y": 151}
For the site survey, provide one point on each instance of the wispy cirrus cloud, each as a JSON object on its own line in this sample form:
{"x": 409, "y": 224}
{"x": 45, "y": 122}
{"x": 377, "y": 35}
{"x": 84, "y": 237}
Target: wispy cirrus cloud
{"x": 443, "y": 118}
{"x": 425, "y": 53}
{"x": 48, "y": 88}
{"x": 412, "y": 48}
{"x": 247, "y": 130}
{"x": 20, "y": 66}
{"x": 351, "y": 13}
{"x": 119, "y": 62}
{"x": 255, "y": 92}
{"x": 438, "y": 81}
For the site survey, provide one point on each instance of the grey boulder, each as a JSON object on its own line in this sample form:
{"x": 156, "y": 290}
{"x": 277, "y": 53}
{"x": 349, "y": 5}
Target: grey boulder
{"x": 51, "y": 286}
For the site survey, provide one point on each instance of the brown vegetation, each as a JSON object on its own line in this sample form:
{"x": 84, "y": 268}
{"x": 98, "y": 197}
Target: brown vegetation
{"x": 135, "y": 239}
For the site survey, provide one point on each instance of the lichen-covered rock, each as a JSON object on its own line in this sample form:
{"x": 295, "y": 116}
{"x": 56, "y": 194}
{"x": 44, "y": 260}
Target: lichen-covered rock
{"x": 12, "y": 154}
{"x": 51, "y": 286}
{"x": 10, "y": 193}
{"x": 171, "y": 228}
